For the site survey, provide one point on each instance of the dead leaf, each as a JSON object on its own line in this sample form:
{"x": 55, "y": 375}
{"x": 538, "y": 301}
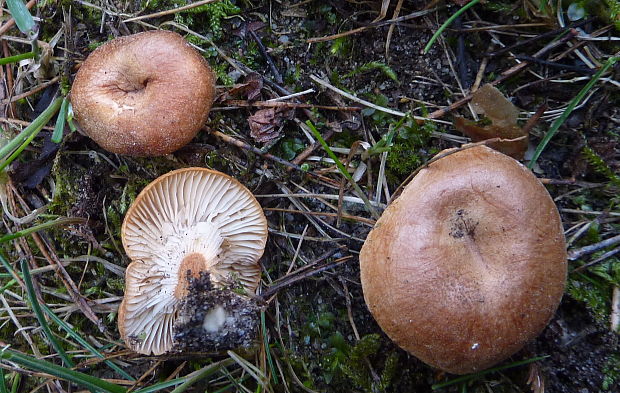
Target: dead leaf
{"x": 535, "y": 379}
{"x": 491, "y": 103}
{"x": 245, "y": 28}
{"x": 31, "y": 173}
{"x": 488, "y": 100}
{"x": 248, "y": 90}
{"x": 514, "y": 149}
{"x": 266, "y": 124}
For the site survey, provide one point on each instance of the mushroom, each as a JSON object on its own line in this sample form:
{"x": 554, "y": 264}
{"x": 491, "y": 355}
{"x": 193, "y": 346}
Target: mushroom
{"x": 186, "y": 222}
{"x": 468, "y": 264}
{"x": 145, "y": 94}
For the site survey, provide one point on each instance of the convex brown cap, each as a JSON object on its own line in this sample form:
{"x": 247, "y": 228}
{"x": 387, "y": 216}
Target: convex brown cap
{"x": 185, "y": 222}
{"x": 468, "y": 264}
{"x": 145, "y": 94}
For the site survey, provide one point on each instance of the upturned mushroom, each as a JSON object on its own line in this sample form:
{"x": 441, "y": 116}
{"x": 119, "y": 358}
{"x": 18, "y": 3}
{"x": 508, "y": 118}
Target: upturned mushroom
{"x": 468, "y": 264}
{"x": 145, "y": 94}
{"x": 187, "y": 225}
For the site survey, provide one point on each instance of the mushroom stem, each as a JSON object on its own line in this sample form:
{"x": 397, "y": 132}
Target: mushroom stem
{"x": 191, "y": 266}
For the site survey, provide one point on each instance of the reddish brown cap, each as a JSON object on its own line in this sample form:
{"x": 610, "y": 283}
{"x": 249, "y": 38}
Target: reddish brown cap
{"x": 187, "y": 221}
{"x": 145, "y": 94}
{"x": 468, "y": 264}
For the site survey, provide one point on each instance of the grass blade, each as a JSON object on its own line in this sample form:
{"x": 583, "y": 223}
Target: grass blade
{"x": 343, "y": 170}
{"x": 16, "y": 58}
{"x": 60, "y": 121}
{"x": 469, "y": 377}
{"x": 40, "y": 227}
{"x": 251, "y": 369}
{"x": 198, "y": 375}
{"x": 3, "y": 388}
{"x": 11, "y": 150}
{"x": 263, "y": 326}
{"x": 569, "y": 109}
{"x": 21, "y": 14}
{"x": 161, "y": 385}
{"x": 89, "y": 382}
{"x": 64, "y": 326}
{"x": 36, "y": 307}
{"x": 448, "y": 23}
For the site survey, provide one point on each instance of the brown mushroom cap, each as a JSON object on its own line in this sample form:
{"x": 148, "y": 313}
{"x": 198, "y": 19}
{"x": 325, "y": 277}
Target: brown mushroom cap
{"x": 187, "y": 221}
{"x": 145, "y": 94}
{"x": 468, "y": 264}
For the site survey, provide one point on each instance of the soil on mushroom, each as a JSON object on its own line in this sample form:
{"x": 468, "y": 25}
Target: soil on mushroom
{"x": 319, "y": 329}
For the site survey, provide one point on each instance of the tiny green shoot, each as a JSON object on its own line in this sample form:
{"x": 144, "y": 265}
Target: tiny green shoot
{"x": 555, "y": 126}
{"x": 448, "y": 23}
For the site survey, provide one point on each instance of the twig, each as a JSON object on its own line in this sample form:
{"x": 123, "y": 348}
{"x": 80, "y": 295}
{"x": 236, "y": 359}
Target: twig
{"x": 171, "y": 11}
{"x": 566, "y": 67}
{"x": 347, "y": 300}
{"x": 261, "y": 48}
{"x": 64, "y": 276}
{"x": 301, "y": 157}
{"x": 332, "y": 197}
{"x": 615, "y": 309}
{"x": 326, "y": 214}
{"x": 22, "y": 123}
{"x": 373, "y": 25}
{"x": 303, "y": 273}
{"x": 144, "y": 376}
{"x": 279, "y": 104}
{"x": 509, "y": 73}
{"x": 538, "y": 37}
{"x": 30, "y": 92}
{"x": 576, "y": 254}
{"x": 369, "y": 104}
{"x": 531, "y": 122}
{"x": 606, "y": 255}
{"x": 388, "y": 39}
{"x": 236, "y": 142}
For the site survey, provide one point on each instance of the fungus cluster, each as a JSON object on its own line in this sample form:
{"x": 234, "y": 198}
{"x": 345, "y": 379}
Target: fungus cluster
{"x": 187, "y": 225}
{"x": 145, "y": 94}
{"x": 468, "y": 264}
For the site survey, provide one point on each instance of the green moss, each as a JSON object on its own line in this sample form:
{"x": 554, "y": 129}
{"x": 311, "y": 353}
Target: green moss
{"x": 356, "y": 366}
{"x": 613, "y": 12}
{"x": 374, "y": 66}
{"x": 611, "y": 372}
{"x": 65, "y": 193}
{"x": 206, "y": 15}
{"x": 221, "y": 71}
{"x": 406, "y": 153}
{"x": 595, "y": 287}
{"x": 600, "y": 166}
{"x": 340, "y": 47}
{"x": 250, "y": 55}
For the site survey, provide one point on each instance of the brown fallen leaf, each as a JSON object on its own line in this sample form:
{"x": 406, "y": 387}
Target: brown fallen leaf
{"x": 266, "y": 124}
{"x": 250, "y": 89}
{"x": 502, "y": 114}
